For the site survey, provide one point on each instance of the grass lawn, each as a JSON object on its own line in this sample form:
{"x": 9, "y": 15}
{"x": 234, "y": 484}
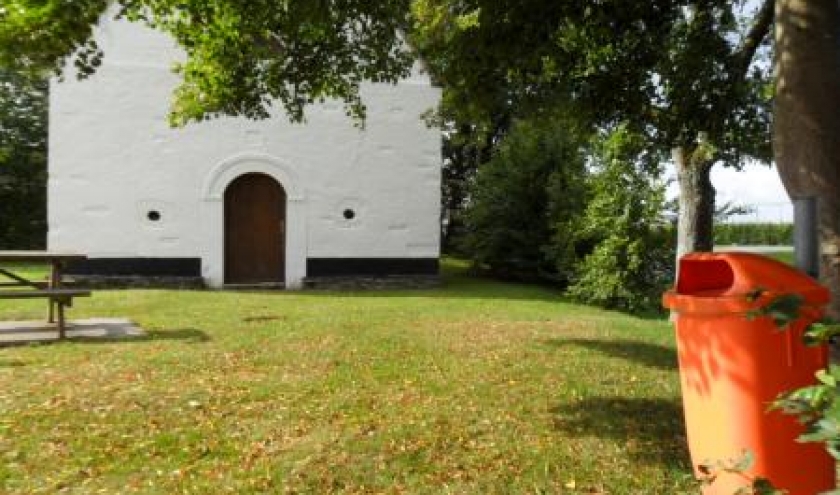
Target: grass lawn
{"x": 784, "y": 256}
{"x": 478, "y": 387}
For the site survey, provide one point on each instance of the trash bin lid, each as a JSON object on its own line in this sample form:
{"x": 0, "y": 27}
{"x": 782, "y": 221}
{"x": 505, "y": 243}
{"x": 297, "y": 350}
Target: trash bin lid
{"x": 722, "y": 282}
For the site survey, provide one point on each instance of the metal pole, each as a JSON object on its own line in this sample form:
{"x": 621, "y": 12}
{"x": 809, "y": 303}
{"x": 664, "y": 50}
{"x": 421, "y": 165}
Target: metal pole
{"x": 806, "y": 245}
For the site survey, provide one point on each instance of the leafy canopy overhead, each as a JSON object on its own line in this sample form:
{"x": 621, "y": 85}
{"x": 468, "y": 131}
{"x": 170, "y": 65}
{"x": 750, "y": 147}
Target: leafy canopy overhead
{"x": 492, "y": 55}
{"x": 671, "y": 68}
{"x": 242, "y": 55}
{"x": 675, "y": 70}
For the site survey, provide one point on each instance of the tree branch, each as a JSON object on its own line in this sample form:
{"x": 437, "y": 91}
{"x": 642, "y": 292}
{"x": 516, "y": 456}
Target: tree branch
{"x": 743, "y": 56}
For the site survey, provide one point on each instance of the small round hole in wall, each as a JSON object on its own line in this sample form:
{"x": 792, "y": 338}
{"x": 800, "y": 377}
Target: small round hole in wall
{"x": 153, "y": 216}
{"x": 349, "y": 214}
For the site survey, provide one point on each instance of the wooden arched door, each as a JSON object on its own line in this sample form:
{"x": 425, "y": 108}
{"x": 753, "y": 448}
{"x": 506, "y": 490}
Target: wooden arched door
{"x": 255, "y": 231}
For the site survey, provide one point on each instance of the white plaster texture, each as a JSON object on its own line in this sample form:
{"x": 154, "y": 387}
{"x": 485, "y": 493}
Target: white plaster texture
{"x": 113, "y": 158}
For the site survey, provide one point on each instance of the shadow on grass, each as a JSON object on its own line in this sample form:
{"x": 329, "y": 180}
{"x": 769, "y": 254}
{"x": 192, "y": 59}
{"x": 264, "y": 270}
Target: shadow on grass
{"x": 188, "y": 335}
{"x": 12, "y": 363}
{"x": 475, "y": 287}
{"x": 651, "y": 430}
{"x": 460, "y": 288}
{"x": 651, "y": 355}
{"x": 115, "y": 335}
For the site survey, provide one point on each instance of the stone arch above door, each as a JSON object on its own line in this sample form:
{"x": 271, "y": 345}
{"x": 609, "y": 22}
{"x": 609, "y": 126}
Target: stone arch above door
{"x": 228, "y": 170}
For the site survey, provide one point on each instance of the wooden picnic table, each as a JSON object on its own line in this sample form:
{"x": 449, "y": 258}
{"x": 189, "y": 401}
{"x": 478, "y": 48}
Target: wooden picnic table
{"x": 51, "y": 289}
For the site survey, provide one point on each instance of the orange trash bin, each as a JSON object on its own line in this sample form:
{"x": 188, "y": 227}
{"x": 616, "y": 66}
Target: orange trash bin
{"x": 732, "y": 368}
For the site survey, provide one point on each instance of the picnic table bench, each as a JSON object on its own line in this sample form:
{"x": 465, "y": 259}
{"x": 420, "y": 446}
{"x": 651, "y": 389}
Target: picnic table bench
{"x": 58, "y": 297}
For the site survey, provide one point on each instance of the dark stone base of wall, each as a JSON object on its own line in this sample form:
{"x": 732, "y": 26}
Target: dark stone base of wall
{"x": 136, "y": 267}
{"x": 324, "y": 273}
{"x": 136, "y": 282}
{"x": 362, "y": 282}
{"x": 371, "y": 267}
{"x": 137, "y": 273}
{"x": 343, "y": 283}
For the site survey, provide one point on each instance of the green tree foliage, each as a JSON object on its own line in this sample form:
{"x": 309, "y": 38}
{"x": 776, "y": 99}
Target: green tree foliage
{"x": 633, "y": 248}
{"x": 491, "y": 55}
{"x": 473, "y": 123}
{"x": 462, "y": 155}
{"x": 39, "y": 35}
{"x": 669, "y": 69}
{"x": 541, "y": 210}
{"x": 532, "y": 186}
{"x": 710, "y": 88}
{"x": 242, "y": 57}
{"x": 680, "y": 73}
{"x": 23, "y": 161}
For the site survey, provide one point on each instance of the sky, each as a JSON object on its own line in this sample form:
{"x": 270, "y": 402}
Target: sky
{"x": 756, "y": 185}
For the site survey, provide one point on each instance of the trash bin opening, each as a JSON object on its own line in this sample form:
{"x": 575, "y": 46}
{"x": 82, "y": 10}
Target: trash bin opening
{"x": 708, "y": 277}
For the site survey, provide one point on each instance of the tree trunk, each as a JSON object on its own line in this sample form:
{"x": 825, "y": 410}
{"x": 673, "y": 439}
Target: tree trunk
{"x": 696, "y": 203}
{"x": 806, "y": 134}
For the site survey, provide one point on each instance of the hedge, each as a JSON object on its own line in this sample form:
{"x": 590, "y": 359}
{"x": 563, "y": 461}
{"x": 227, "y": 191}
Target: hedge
{"x": 765, "y": 234}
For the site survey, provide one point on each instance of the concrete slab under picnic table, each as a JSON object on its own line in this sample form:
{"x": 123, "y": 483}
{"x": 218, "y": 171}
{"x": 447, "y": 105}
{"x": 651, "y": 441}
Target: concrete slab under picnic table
{"x": 32, "y": 332}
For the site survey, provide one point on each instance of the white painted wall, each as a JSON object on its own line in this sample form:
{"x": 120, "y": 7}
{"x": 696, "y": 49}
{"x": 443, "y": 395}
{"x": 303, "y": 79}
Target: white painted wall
{"x": 113, "y": 158}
